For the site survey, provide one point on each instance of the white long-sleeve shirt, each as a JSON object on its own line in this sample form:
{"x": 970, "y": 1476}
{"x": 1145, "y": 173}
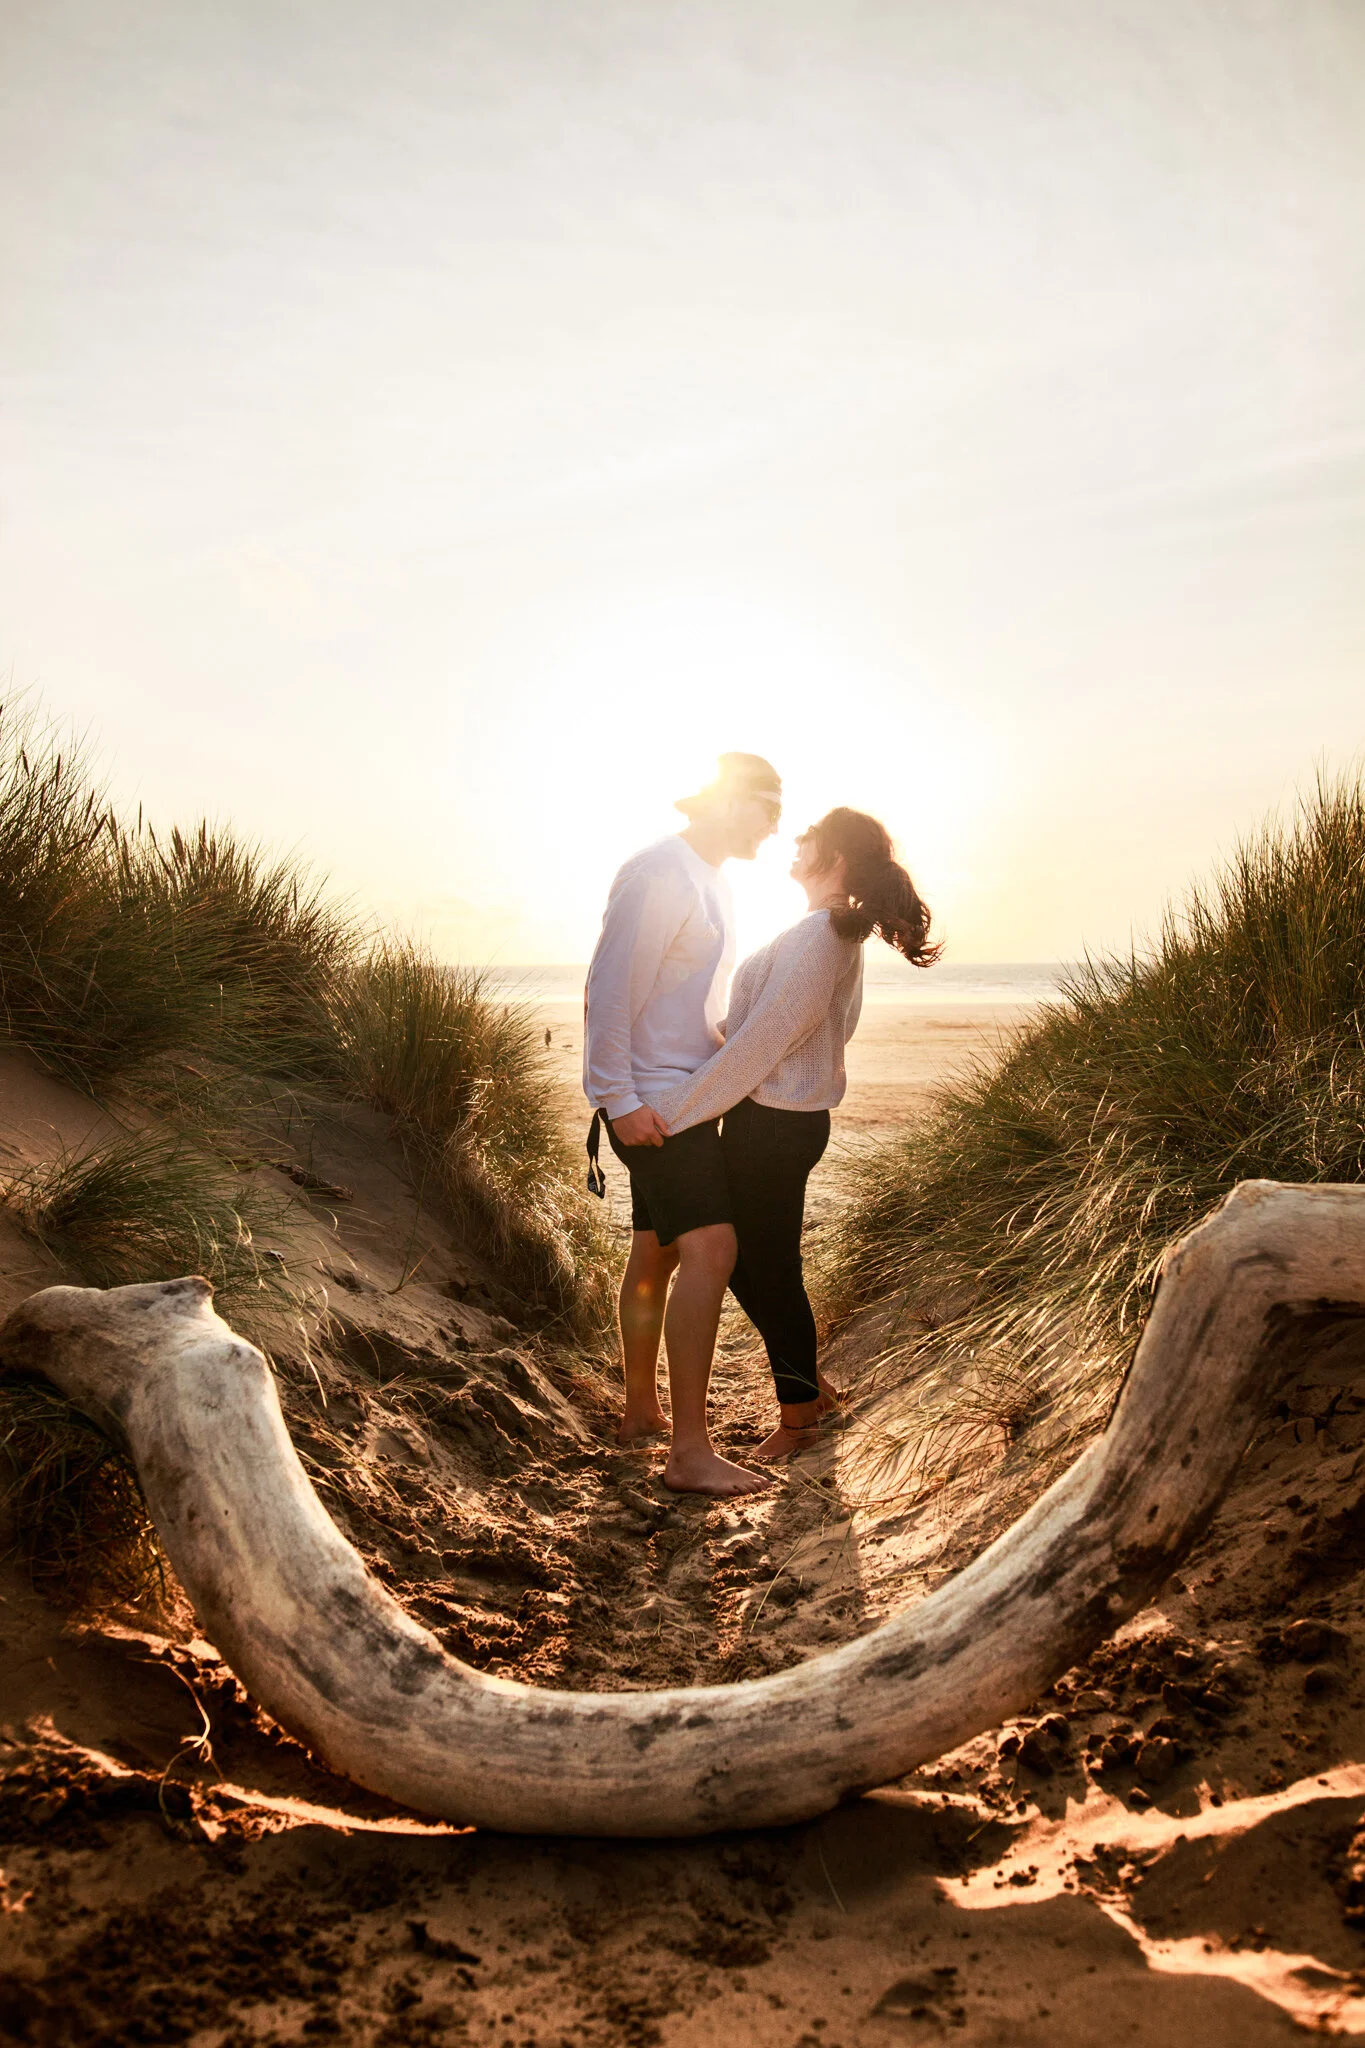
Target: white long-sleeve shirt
{"x": 794, "y": 1006}
{"x": 656, "y": 985}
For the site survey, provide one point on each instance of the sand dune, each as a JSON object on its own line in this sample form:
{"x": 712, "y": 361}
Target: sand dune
{"x": 1165, "y": 1849}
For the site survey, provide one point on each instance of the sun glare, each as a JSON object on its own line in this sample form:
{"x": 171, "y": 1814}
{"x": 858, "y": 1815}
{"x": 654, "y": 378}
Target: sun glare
{"x": 633, "y": 710}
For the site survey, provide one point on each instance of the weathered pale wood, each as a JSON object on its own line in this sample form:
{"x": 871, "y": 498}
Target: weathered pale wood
{"x": 326, "y": 1651}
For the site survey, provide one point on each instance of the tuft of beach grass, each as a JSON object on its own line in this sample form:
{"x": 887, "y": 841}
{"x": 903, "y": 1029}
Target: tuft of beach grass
{"x": 70, "y": 1505}
{"x": 464, "y": 1078}
{"x": 149, "y": 1206}
{"x": 1021, "y": 1225}
{"x": 116, "y": 947}
{"x": 146, "y": 1206}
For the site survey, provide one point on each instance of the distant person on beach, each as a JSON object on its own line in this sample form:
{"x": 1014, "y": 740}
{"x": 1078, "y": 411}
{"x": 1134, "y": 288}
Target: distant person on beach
{"x": 655, "y": 994}
{"x": 793, "y": 1008}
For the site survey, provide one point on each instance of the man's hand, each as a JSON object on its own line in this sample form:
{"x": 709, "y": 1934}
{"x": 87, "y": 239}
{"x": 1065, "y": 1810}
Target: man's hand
{"x": 640, "y": 1127}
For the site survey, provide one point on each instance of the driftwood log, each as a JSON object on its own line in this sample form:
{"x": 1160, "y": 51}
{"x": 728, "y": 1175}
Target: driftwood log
{"x": 336, "y": 1661}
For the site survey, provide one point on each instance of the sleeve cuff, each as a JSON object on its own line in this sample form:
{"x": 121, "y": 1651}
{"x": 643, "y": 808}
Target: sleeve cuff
{"x": 668, "y": 1108}
{"x": 621, "y": 1105}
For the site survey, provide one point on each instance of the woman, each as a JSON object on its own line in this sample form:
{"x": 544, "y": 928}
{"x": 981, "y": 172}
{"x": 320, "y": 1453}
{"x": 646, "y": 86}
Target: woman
{"x": 793, "y": 1008}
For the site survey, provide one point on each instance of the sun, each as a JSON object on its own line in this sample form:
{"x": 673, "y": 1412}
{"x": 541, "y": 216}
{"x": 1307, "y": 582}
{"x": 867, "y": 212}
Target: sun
{"x": 632, "y": 710}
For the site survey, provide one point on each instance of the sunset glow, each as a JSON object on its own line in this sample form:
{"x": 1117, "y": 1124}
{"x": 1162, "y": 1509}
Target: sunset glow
{"x": 432, "y": 462}
{"x": 747, "y": 678}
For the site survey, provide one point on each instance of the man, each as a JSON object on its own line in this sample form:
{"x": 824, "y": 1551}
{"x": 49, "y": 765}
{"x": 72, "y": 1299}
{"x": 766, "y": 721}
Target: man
{"x": 655, "y": 997}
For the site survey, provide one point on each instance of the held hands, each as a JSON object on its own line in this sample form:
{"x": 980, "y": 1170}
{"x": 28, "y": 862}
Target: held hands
{"x": 640, "y": 1127}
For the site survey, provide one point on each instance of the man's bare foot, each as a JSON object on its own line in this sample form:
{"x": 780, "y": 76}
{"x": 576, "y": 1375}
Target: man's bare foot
{"x": 638, "y": 1429}
{"x": 707, "y": 1472}
{"x": 784, "y": 1441}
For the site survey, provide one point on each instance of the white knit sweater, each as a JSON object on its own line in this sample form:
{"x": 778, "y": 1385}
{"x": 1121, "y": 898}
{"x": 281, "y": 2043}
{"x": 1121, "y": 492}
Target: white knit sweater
{"x": 793, "y": 1008}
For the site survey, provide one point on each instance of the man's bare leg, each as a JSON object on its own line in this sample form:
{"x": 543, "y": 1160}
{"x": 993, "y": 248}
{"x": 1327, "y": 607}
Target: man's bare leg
{"x": 644, "y": 1296}
{"x": 706, "y": 1259}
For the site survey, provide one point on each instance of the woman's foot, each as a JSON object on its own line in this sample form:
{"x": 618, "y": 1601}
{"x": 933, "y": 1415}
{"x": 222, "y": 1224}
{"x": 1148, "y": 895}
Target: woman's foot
{"x": 784, "y": 1442}
{"x": 830, "y": 1397}
{"x": 638, "y": 1426}
{"x": 705, "y": 1471}
{"x": 796, "y": 1431}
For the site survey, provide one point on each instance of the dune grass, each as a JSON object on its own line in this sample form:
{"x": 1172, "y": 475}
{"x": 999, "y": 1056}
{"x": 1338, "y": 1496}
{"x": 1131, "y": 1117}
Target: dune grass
{"x": 184, "y": 969}
{"x": 151, "y": 1207}
{"x": 202, "y": 980}
{"x": 115, "y": 947}
{"x": 70, "y": 1504}
{"x": 1020, "y": 1227}
{"x": 148, "y": 1206}
{"x": 465, "y": 1081}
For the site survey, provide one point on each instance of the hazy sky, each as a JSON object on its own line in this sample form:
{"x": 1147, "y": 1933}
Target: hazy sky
{"x": 430, "y": 431}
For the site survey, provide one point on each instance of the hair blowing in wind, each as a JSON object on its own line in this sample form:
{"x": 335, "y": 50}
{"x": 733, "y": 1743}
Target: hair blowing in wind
{"x": 881, "y": 896}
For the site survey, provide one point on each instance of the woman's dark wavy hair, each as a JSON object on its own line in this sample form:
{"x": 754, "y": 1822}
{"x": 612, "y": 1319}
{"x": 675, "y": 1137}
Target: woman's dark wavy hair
{"x": 881, "y": 896}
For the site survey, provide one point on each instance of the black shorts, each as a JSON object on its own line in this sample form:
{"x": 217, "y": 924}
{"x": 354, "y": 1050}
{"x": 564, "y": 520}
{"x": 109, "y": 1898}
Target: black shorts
{"x": 677, "y": 1186}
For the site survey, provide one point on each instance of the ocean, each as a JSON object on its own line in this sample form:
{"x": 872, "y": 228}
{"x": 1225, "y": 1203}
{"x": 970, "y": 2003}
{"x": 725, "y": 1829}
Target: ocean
{"x": 888, "y": 979}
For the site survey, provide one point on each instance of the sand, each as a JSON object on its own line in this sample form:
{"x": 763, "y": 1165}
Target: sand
{"x": 1167, "y": 1848}
{"x": 899, "y": 1056}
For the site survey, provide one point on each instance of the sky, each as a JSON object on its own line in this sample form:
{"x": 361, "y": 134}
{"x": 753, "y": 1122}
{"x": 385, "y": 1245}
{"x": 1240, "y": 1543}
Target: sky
{"x": 430, "y": 433}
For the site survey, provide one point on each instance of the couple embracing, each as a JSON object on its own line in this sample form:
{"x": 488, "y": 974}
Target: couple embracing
{"x": 719, "y": 1119}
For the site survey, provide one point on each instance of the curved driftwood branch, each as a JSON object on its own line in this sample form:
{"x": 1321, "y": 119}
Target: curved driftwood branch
{"x": 326, "y": 1651}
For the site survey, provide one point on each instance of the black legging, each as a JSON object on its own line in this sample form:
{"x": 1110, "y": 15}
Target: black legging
{"x": 769, "y": 1154}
